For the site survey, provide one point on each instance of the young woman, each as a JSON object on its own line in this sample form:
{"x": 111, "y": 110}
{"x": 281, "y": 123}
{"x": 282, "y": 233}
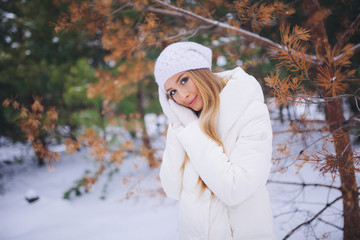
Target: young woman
{"x": 218, "y": 146}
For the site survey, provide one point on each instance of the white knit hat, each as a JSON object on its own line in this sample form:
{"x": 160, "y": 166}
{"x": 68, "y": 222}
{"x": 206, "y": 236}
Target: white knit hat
{"x": 179, "y": 57}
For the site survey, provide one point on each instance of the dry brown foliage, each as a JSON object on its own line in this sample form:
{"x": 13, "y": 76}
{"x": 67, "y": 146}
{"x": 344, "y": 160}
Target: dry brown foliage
{"x": 37, "y": 125}
{"x": 332, "y": 78}
{"x": 71, "y": 146}
{"x": 259, "y": 15}
{"x": 110, "y": 156}
{"x": 129, "y": 37}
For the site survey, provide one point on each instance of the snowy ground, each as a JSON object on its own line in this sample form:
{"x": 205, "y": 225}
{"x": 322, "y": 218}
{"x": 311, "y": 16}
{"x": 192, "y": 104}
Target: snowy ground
{"x": 133, "y": 210}
{"x": 130, "y": 205}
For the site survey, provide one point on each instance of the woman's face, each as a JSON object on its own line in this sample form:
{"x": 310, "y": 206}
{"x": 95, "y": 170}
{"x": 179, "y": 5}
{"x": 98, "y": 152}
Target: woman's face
{"x": 184, "y": 91}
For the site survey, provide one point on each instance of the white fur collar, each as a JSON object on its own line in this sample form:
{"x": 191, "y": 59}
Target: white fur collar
{"x": 236, "y": 96}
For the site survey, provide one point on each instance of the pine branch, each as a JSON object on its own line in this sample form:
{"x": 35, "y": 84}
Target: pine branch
{"x": 348, "y": 33}
{"x": 255, "y": 37}
{"x": 302, "y": 70}
{"x": 312, "y": 219}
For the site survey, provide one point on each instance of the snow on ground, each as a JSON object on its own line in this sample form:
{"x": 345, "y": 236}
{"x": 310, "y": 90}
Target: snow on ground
{"x": 130, "y": 205}
{"x": 146, "y": 215}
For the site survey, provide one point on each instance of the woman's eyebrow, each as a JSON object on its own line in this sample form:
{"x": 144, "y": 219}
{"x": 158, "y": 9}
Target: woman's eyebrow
{"x": 179, "y": 77}
{"x": 177, "y": 80}
{"x": 167, "y": 90}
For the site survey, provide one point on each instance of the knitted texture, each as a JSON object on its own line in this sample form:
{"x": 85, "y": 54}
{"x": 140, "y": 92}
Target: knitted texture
{"x": 179, "y": 57}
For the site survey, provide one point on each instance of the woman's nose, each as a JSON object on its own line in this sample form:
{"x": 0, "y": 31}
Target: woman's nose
{"x": 184, "y": 94}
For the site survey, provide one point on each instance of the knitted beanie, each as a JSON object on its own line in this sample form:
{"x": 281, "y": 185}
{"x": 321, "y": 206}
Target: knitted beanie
{"x": 179, "y": 57}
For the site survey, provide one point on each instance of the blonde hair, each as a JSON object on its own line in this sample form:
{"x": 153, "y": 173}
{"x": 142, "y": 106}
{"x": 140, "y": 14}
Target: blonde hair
{"x": 209, "y": 86}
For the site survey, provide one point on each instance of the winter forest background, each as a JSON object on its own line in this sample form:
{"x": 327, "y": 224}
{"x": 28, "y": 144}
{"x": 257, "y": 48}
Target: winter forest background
{"x": 82, "y": 131}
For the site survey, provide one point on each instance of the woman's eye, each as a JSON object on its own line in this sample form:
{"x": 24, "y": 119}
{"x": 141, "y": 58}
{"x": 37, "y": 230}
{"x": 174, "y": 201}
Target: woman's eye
{"x": 172, "y": 92}
{"x": 184, "y": 80}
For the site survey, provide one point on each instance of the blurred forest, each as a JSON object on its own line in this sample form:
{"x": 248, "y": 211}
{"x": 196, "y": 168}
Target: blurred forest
{"x": 35, "y": 61}
{"x": 84, "y": 65}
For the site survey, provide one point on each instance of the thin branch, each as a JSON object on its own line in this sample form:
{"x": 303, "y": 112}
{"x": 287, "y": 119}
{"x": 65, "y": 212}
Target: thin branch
{"x": 357, "y": 103}
{"x": 304, "y": 184}
{"x": 331, "y": 224}
{"x": 348, "y": 145}
{"x": 343, "y": 95}
{"x": 293, "y": 212}
{"x": 189, "y": 33}
{"x": 349, "y": 123}
{"x": 354, "y": 48}
{"x": 313, "y": 218}
{"x": 323, "y": 99}
{"x": 165, "y": 12}
{"x": 356, "y": 97}
{"x": 293, "y": 2}
{"x": 255, "y": 37}
{"x": 119, "y": 9}
{"x": 348, "y": 33}
{"x": 307, "y": 99}
{"x": 300, "y": 131}
{"x": 325, "y": 136}
{"x": 329, "y": 99}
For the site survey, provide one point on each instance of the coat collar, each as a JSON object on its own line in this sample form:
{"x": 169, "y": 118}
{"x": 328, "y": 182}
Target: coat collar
{"x": 239, "y": 92}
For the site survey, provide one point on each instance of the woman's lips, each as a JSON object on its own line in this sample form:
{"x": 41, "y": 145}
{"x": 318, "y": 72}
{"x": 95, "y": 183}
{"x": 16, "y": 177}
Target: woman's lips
{"x": 193, "y": 101}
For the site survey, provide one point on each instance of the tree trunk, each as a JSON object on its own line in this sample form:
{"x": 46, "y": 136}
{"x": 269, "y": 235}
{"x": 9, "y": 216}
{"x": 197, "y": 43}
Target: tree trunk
{"x": 148, "y": 151}
{"x": 344, "y": 154}
{"x": 39, "y": 156}
{"x": 335, "y": 118}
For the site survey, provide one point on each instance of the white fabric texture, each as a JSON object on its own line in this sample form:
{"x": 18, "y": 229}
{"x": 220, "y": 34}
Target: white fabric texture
{"x": 238, "y": 206}
{"x": 179, "y": 57}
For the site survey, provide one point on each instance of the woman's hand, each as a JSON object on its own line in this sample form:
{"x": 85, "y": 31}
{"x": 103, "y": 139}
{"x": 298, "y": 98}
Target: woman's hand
{"x": 177, "y": 114}
{"x": 184, "y": 114}
{"x": 164, "y": 102}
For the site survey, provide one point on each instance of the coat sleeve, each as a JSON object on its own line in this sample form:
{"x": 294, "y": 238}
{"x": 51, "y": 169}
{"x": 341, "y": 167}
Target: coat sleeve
{"x": 236, "y": 177}
{"x": 170, "y": 171}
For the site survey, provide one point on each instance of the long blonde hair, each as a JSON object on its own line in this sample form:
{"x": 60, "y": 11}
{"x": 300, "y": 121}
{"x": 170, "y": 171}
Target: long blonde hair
{"x": 209, "y": 86}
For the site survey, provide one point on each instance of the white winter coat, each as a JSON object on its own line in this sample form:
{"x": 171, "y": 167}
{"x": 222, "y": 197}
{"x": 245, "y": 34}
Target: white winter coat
{"x": 239, "y": 207}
